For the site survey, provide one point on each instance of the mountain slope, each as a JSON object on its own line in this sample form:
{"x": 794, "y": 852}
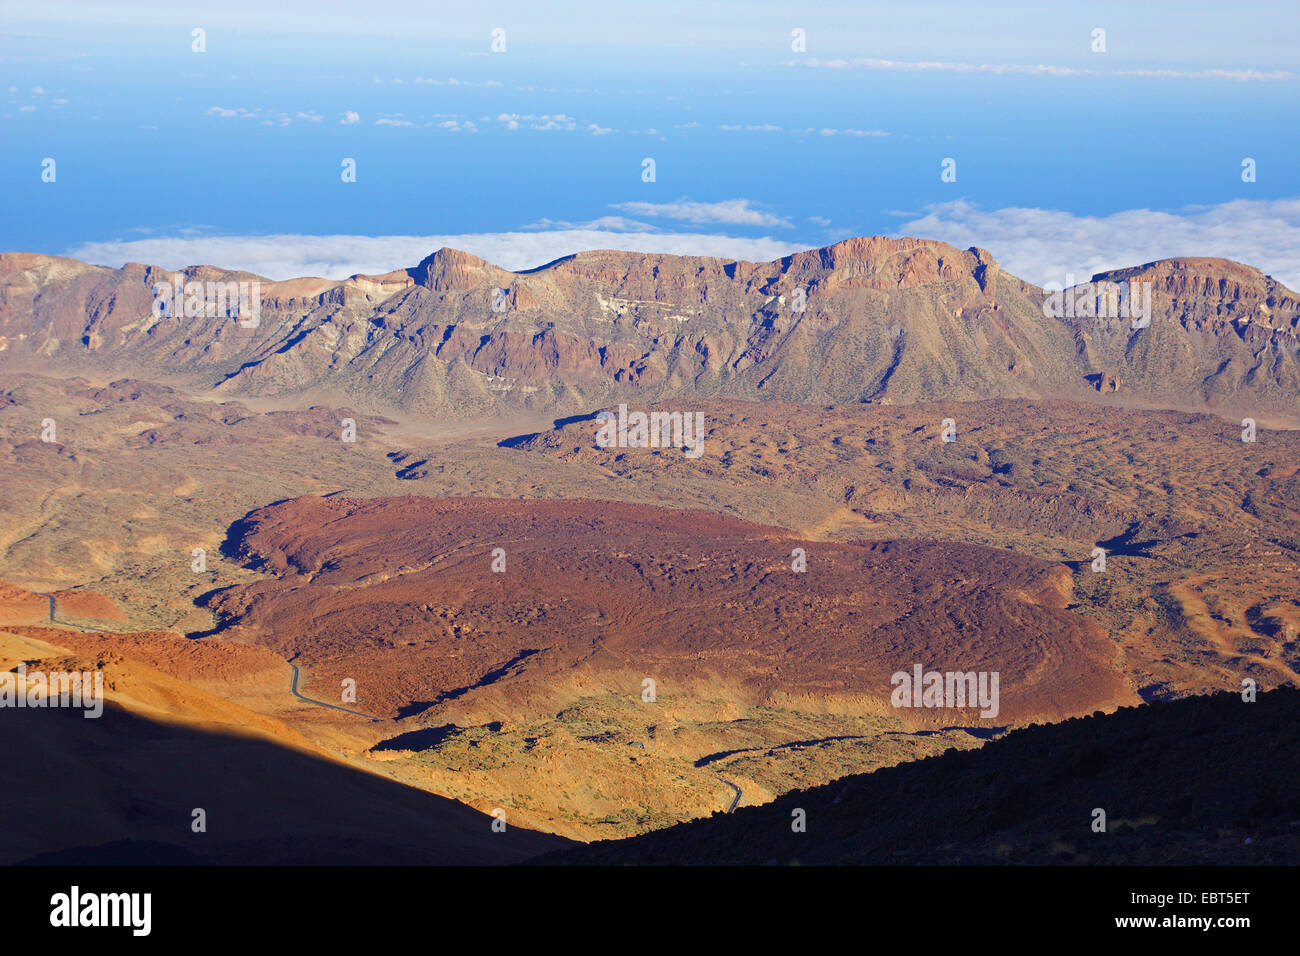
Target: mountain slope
{"x": 866, "y": 319}
{"x": 1201, "y": 780}
{"x": 123, "y": 787}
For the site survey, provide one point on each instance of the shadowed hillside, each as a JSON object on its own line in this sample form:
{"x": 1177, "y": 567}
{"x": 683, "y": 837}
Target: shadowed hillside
{"x": 1202, "y": 780}
{"x": 122, "y": 788}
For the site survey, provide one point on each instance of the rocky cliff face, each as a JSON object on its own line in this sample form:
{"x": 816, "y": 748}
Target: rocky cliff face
{"x": 867, "y": 319}
{"x": 1222, "y": 335}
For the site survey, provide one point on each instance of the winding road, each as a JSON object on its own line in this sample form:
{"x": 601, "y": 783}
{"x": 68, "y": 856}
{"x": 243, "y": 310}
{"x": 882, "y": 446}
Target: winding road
{"x": 734, "y": 800}
{"x": 293, "y": 688}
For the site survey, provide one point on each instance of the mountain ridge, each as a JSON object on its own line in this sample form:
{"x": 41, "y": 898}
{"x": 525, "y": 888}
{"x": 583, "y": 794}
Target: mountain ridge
{"x": 866, "y": 319}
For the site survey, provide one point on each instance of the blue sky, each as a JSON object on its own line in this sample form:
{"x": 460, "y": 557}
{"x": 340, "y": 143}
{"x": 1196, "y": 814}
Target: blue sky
{"x": 1066, "y": 159}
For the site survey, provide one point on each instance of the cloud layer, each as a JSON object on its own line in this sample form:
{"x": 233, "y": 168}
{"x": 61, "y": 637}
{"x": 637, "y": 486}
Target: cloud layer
{"x": 337, "y": 257}
{"x": 733, "y": 212}
{"x": 1041, "y": 69}
{"x": 1042, "y": 245}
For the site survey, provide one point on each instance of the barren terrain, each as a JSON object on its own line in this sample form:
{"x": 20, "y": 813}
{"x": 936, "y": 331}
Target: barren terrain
{"x": 328, "y": 497}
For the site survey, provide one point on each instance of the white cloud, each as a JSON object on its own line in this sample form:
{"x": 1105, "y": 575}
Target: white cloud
{"x": 546, "y": 121}
{"x": 827, "y": 131}
{"x": 596, "y": 130}
{"x": 1037, "y": 69}
{"x": 558, "y": 121}
{"x": 337, "y": 257}
{"x": 732, "y": 212}
{"x": 604, "y": 223}
{"x": 1038, "y": 245}
{"x": 268, "y": 118}
{"x": 389, "y": 121}
{"x": 1043, "y": 245}
{"x": 452, "y": 81}
{"x": 350, "y": 117}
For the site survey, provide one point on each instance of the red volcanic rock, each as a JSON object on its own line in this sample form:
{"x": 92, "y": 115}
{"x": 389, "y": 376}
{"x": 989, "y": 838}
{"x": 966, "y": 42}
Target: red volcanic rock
{"x": 86, "y": 604}
{"x": 400, "y": 595}
{"x": 19, "y": 606}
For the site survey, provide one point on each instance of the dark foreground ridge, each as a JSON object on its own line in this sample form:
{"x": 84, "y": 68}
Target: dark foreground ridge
{"x": 264, "y": 804}
{"x": 1204, "y": 780}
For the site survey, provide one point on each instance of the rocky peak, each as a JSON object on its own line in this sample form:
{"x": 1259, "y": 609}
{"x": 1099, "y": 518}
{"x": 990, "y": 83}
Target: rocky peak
{"x": 451, "y": 270}
{"x": 1219, "y": 284}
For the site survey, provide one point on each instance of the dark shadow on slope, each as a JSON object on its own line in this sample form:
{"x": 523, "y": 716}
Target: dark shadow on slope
{"x": 491, "y": 677}
{"x": 518, "y": 440}
{"x": 1202, "y": 780}
{"x": 413, "y": 709}
{"x": 123, "y": 789}
{"x": 424, "y": 739}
